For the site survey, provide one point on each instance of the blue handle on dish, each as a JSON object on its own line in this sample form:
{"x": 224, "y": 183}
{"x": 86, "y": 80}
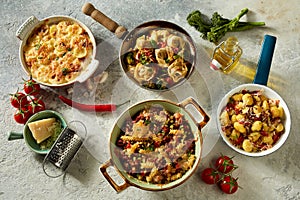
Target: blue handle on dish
{"x": 265, "y": 60}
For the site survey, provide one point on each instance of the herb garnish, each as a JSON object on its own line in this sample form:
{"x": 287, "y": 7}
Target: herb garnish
{"x": 65, "y": 71}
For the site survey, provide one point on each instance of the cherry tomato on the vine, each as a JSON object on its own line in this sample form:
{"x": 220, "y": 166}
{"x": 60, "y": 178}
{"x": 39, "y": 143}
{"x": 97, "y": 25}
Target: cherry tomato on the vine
{"x": 26, "y": 101}
{"x": 225, "y": 164}
{"x": 229, "y": 185}
{"x": 31, "y": 87}
{"x": 18, "y": 100}
{"x": 22, "y": 115}
{"x": 210, "y": 176}
{"x": 36, "y": 105}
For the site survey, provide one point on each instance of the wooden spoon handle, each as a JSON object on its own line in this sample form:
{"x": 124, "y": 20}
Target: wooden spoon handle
{"x": 108, "y": 23}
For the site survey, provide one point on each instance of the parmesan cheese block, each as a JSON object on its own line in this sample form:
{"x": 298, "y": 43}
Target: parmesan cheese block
{"x": 42, "y": 129}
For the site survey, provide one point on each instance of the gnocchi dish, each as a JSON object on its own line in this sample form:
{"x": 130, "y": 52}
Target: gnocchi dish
{"x": 156, "y": 146}
{"x": 159, "y": 59}
{"x": 58, "y": 53}
{"x": 252, "y": 122}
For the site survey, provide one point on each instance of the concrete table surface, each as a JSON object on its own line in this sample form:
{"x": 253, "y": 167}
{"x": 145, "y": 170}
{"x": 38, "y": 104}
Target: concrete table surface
{"x": 276, "y": 176}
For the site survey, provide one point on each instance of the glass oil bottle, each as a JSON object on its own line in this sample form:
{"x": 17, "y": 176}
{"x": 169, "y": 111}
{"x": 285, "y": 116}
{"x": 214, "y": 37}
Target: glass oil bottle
{"x": 226, "y": 55}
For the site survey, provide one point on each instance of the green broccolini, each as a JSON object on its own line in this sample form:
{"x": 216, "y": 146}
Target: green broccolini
{"x": 215, "y": 28}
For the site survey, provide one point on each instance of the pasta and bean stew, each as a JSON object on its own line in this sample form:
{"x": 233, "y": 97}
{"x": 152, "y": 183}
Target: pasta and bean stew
{"x": 156, "y": 146}
{"x": 159, "y": 59}
{"x": 251, "y": 121}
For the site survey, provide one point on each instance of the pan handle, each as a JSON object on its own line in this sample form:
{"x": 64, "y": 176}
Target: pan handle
{"x": 265, "y": 59}
{"x": 191, "y": 101}
{"x": 117, "y": 187}
{"x": 108, "y": 23}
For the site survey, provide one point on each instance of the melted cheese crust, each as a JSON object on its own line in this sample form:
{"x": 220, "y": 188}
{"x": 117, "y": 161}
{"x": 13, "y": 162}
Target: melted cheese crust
{"x": 58, "y": 53}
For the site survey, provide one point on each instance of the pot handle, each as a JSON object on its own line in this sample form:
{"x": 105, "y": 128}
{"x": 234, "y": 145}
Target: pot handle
{"x": 108, "y": 23}
{"x": 191, "y": 101}
{"x": 117, "y": 187}
{"x": 26, "y": 27}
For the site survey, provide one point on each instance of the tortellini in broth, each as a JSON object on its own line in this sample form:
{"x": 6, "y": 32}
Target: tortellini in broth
{"x": 159, "y": 59}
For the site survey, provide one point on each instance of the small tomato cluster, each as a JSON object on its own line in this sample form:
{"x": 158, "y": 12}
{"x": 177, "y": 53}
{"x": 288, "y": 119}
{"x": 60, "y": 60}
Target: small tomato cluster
{"x": 221, "y": 174}
{"x": 27, "y": 103}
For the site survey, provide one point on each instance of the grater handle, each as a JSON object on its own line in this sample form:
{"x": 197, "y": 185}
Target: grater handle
{"x": 118, "y": 188}
{"x": 45, "y": 162}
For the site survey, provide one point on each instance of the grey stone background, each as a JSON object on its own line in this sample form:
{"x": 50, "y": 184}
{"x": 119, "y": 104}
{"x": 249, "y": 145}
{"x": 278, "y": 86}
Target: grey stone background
{"x": 276, "y": 176}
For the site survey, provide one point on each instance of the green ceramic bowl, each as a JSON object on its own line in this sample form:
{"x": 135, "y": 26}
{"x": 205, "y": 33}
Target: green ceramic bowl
{"x": 27, "y": 135}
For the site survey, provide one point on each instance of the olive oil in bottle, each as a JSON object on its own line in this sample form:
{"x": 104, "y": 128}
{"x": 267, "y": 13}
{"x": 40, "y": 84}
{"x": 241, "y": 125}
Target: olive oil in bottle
{"x": 226, "y": 55}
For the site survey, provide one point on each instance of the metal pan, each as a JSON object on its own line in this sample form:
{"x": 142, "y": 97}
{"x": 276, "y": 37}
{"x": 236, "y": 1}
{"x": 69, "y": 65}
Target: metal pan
{"x": 158, "y": 81}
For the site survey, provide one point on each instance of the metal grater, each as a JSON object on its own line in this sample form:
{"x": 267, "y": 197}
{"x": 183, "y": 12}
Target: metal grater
{"x": 62, "y": 152}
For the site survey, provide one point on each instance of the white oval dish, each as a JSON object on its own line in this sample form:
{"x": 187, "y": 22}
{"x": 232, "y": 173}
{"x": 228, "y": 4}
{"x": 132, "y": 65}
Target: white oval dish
{"x": 26, "y": 29}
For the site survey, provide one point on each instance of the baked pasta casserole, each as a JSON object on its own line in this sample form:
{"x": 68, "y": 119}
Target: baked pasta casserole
{"x": 156, "y": 146}
{"x": 252, "y": 122}
{"x": 57, "y": 53}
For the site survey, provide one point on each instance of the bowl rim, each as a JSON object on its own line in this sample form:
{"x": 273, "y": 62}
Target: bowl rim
{"x": 55, "y": 18}
{"x": 252, "y": 87}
